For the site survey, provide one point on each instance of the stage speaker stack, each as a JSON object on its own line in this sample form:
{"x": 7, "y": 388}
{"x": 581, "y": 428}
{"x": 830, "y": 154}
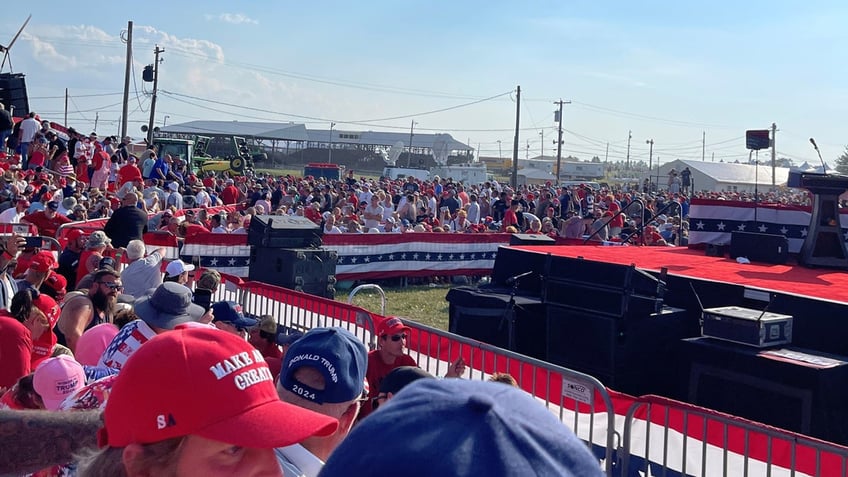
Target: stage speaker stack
{"x": 609, "y": 321}
{"x": 13, "y": 93}
{"x": 286, "y": 251}
{"x": 757, "y": 247}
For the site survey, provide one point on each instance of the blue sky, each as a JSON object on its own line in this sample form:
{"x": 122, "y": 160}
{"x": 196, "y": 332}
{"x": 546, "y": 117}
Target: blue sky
{"x": 667, "y": 71}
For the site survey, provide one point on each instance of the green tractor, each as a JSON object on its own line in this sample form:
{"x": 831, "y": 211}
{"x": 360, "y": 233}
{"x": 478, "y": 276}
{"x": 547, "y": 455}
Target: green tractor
{"x": 238, "y": 162}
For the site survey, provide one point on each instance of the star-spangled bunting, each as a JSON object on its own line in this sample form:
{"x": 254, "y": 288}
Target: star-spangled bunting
{"x": 725, "y": 225}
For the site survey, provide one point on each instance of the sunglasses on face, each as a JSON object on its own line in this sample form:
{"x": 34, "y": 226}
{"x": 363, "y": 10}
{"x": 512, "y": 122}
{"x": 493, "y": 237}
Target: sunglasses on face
{"x": 399, "y": 337}
{"x": 112, "y": 285}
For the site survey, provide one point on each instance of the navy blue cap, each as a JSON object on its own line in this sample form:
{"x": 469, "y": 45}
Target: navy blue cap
{"x": 456, "y": 427}
{"x": 231, "y": 312}
{"x": 339, "y": 355}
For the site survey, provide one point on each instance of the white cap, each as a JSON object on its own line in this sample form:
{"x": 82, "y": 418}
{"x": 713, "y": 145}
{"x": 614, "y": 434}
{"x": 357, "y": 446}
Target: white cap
{"x": 177, "y": 267}
{"x": 173, "y": 186}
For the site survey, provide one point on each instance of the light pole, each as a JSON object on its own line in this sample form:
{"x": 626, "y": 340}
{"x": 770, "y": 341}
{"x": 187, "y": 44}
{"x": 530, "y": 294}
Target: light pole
{"x": 330, "y": 155}
{"x": 629, "y": 137}
{"x": 500, "y": 151}
{"x": 542, "y": 134}
{"x": 409, "y": 157}
{"x": 165, "y": 120}
{"x": 650, "y": 142}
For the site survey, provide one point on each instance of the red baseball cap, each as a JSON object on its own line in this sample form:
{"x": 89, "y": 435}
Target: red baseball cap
{"x": 74, "y": 234}
{"x": 392, "y": 325}
{"x": 43, "y": 262}
{"x": 57, "y": 283}
{"x": 203, "y": 382}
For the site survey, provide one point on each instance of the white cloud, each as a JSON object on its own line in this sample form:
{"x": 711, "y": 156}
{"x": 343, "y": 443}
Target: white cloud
{"x": 234, "y": 18}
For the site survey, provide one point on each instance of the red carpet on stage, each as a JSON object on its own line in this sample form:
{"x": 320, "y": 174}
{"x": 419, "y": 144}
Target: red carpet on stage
{"x": 826, "y": 284}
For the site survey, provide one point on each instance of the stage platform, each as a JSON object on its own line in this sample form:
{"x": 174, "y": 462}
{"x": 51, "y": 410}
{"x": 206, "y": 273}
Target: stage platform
{"x": 817, "y": 283}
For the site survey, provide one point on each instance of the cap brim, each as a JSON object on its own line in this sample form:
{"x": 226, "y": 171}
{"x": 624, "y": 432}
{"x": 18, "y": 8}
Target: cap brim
{"x": 188, "y": 267}
{"x": 271, "y": 424}
{"x": 154, "y": 317}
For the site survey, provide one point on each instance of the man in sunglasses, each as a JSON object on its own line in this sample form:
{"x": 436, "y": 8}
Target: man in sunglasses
{"x": 83, "y": 311}
{"x": 390, "y": 354}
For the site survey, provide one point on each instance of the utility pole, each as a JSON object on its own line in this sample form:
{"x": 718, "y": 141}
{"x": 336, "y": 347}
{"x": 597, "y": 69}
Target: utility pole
{"x": 527, "y": 152}
{"x": 773, "y": 156}
{"x": 66, "y": 107}
{"x": 629, "y": 137}
{"x": 514, "y": 179}
{"x": 96, "y": 119}
{"x": 650, "y": 143}
{"x": 500, "y": 151}
{"x": 703, "y": 145}
{"x": 558, "y": 118}
{"x": 409, "y": 157}
{"x": 124, "y": 116}
{"x": 542, "y": 134}
{"x": 330, "y": 149}
{"x": 156, "y": 52}
{"x": 606, "y": 154}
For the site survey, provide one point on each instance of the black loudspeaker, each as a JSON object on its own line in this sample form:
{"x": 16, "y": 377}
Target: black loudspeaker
{"x": 482, "y": 315}
{"x": 531, "y": 239}
{"x": 634, "y": 355}
{"x": 756, "y": 247}
{"x": 309, "y": 270}
{"x": 283, "y": 231}
{"x": 511, "y": 262}
{"x": 13, "y": 93}
{"x": 798, "y": 396}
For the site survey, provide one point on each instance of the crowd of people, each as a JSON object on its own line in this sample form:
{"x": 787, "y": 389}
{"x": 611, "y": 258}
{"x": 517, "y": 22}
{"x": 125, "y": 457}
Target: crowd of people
{"x": 110, "y": 326}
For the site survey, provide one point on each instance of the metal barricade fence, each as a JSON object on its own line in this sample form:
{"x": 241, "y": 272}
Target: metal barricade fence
{"x": 302, "y": 312}
{"x": 580, "y": 401}
{"x": 667, "y": 437}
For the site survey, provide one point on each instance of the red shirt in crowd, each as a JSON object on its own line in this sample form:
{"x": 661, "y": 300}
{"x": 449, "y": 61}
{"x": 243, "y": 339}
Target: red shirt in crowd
{"x": 194, "y": 229}
{"x": 46, "y": 227}
{"x": 230, "y": 195}
{"x": 15, "y": 350}
{"x": 129, "y": 173}
{"x": 377, "y": 370}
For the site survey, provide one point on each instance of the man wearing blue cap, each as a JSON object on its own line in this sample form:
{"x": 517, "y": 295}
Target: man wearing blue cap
{"x": 228, "y": 316}
{"x": 323, "y": 371}
{"x": 456, "y": 427}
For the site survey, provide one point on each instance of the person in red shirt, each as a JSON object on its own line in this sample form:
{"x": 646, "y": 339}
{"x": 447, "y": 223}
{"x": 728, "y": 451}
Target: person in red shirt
{"x": 130, "y": 173}
{"x": 191, "y": 226}
{"x": 313, "y": 212}
{"x": 510, "y": 216}
{"x": 230, "y": 195}
{"x": 18, "y": 326}
{"x": 47, "y": 221}
{"x": 390, "y": 354}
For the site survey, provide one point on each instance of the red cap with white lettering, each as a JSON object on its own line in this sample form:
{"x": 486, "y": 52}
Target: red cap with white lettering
{"x": 207, "y": 383}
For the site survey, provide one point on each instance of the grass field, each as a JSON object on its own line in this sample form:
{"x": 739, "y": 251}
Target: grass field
{"x": 423, "y": 304}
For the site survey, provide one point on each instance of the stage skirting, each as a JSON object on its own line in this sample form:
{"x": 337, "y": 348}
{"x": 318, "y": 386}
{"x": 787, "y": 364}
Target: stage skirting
{"x": 712, "y": 221}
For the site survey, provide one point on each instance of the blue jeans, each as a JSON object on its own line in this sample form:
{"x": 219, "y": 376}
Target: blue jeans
{"x": 24, "y": 155}
{"x": 3, "y": 135}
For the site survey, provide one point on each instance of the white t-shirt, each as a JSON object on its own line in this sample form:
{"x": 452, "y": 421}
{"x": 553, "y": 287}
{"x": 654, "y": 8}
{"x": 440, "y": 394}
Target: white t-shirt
{"x": 29, "y": 128}
{"x": 376, "y": 210}
{"x": 11, "y": 216}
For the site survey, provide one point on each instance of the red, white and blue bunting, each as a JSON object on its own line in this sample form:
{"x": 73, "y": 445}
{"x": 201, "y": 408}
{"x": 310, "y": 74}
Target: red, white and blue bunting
{"x": 712, "y": 221}
{"x": 376, "y": 256}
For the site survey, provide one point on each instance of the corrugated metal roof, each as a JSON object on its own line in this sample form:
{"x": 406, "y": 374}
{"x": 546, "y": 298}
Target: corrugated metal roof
{"x": 298, "y": 132}
{"x": 248, "y": 129}
{"x": 737, "y": 173}
{"x": 387, "y": 139}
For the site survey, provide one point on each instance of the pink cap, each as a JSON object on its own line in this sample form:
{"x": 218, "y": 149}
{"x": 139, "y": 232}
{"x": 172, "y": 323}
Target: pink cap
{"x": 57, "y": 378}
{"x": 93, "y": 343}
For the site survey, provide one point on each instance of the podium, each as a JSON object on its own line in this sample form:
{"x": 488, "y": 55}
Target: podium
{"x": 824, "y": 245}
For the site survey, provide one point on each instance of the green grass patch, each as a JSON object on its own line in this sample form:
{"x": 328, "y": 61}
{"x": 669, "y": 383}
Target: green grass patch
{"x": 424, "y": 304}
